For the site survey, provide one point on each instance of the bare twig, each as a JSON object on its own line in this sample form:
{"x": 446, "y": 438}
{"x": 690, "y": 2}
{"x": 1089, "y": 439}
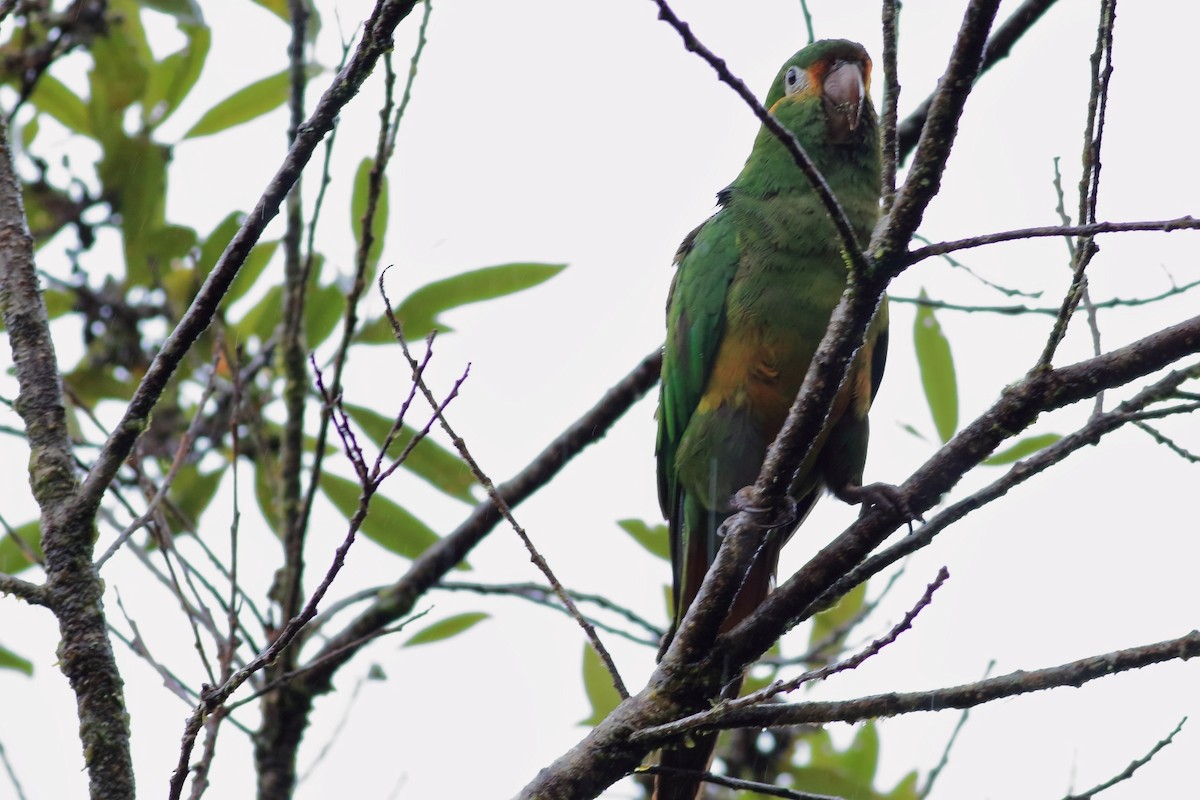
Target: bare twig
{"x": 439, "y": 558}
{"x": 969, "y": 695}
{"x": 1017, "y": 310}
{"x": 544, "y": 596}
{"x": 1096, "y": 427}
{"x": 1163, "y": 225}
{"x": 31, "y": 593}
{"x": 772, "y": 690}
{"x": 998, "y": 47}
{"x": 1133, "y": 767}
{"x": 891, "y": 99}
{"x": 931, "y": 779}
{"x": 501, "y": 505}
{"x": 757, "y": 787}
{"x": 8, "y": 767}
{"x": 1089, "y": 182}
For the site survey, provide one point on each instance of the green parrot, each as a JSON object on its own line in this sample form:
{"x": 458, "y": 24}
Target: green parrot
{"x": 754, "y": 289}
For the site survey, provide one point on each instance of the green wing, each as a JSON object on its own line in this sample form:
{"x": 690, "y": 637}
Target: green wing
{"x": 707, "y": 262}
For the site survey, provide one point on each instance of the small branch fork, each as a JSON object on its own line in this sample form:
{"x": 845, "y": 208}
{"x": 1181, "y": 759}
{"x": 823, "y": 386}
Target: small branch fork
{"x": 1074, "y": 673}
{"x": 1133, "y": 767}
{"x": 503, "y": 507}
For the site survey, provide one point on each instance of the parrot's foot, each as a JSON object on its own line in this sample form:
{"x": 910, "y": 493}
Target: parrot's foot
{"x": 879, "y": 495}
{"x": 771, "y": 515}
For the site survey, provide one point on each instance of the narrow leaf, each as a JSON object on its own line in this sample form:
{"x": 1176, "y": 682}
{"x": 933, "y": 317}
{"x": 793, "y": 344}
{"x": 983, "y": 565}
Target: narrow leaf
{"x": 652, "y": 537}
{"x": 451, "y": 626}
{"x": 247, "y": 103}
{"x": 12, "y": 553}
{"x": 937, "y": 371}
{"x": 1022, "y": 448}
{"x": 597, "y": 683}
{"x": 387, "y": 524}
{"x": 358, "y": 209}
{"x": 173, "y": 78}
{"x": 10, "y": 660}
{"x": 419, "y": 311}
{"x": 186, "y": 11}
{"x": 51, "y": 96}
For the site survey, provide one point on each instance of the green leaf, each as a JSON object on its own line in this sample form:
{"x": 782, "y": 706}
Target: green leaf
{"x": 861, "y": 758}
{"x": 937, "y": 371}
{"x": 29, "y": 131}
{"x": 12, "y": 554}
{"x": 358, "y": 209}
{"x": 323, "y": 309}
{"x": 58, "y": 302}
{"x": 451, "y": 626}
{"x": 247, "y": 103}
{"x": 280, "y": 9}
{"x": 598, "y": 685}
{"x": 277, "y": 7}
{"x": 216, "y": 243}
{"x": 419, "y": 311}
{"x": 173, "y": 78}
{"x": 912, "y": 431}
{"x": 121, "y": 61}
{"x": 261, "y": 320}
{"x": 193, "y": 490}
{"x": 10, "y": 660}
{"x": 387, "y": 524}
{"x": 430, "y": 461}
{"x": 260, "y": 255}
{"x": 134, "y": 174}
{"x": 51, "y": 96}
{"x": 906, "y": 789}
{"x": 265, "y": 485}
{"x": 652, "y": 537}
{"x": 186, "y": 11}
{"x": 1022, "y": 448}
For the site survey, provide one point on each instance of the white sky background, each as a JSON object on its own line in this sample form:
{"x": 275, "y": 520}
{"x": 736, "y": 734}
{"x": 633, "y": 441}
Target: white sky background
{"x": 585, "y": 134}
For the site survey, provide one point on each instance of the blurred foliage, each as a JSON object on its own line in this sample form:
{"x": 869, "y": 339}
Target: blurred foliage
{"x": 114, "y": 103}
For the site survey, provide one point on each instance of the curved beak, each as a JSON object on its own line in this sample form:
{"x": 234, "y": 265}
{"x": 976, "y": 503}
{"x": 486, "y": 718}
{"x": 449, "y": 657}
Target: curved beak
{"x": 844, "y": 92}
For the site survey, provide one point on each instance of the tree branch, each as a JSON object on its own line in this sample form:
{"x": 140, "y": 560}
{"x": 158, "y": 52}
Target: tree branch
{"x": 376, "y": 40}
{"x": 998, "y": 47}
{"x": 73, "y": 590}
{"x": 1075, "y": 673}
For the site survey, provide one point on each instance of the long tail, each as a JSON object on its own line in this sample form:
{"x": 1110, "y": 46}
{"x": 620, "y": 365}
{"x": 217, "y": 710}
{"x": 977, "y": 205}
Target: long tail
{"x": 696, "y": 754}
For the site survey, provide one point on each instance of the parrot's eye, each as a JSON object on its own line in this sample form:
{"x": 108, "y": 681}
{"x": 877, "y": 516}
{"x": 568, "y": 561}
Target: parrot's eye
{"x": 794, "y": 80}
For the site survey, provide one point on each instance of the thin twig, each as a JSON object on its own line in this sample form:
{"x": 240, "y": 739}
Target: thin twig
{"x": 891, "y": 99}
{"x": 736, "y": 783}
{"x": 931, "y": 779}
{"x": 850, "y": 244}
{"x": 8, "y": 767}
{"x": 782, "y": 687}
{"x": 502, "y": 506}
{"x": 1186, "y": 223}
{"x": 1074, "y": 673}
{"x": 542, "y": 596}
{"x": 1133, "y": 767}
{"x": 1112, "y": 302}
{"x": 1089, "y": 182}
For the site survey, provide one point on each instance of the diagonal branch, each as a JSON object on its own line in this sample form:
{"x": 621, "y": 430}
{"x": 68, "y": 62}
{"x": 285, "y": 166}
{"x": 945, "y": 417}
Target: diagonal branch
{"x": 398, "y": 599}
{"x": 376, "y": 40}
{"x": 1075, "y": 673}
{"x": 998, "y": 47}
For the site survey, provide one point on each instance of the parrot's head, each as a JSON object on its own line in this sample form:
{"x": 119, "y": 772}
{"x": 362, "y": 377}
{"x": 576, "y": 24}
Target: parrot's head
{"x": 831, "y": 79}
